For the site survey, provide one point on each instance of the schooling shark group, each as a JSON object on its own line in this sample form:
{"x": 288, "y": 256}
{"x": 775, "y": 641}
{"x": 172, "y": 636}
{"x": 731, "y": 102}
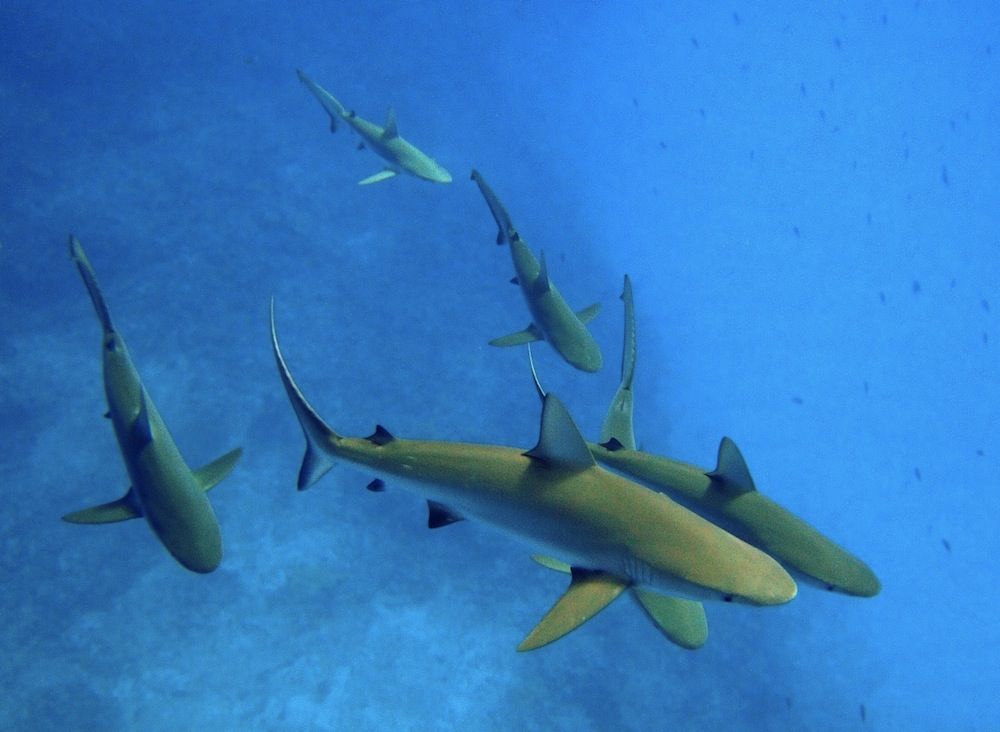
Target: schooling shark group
{"x": 671, "y": 533}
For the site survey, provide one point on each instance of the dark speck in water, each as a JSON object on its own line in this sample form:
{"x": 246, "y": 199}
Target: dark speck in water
{"x": 944, "y": 175}
{"x": 986, "y": 304}
{"x": 694, "y": 42}
{"x": 980, "y": 453}
{"x": 795, "y": 230}
{"x": 635, "y": 102}
{"x": 916, "y": 472}
{"x": 868, "y": 217}
{"x": 864, "y": 713}
{"x": 881, "y": 297}
{"x": 663, "y": 145}
{"x": 916, "y": 286}
{"x": 797, "y": 400}
{"x": 986, "y": 338}
{"x": 947, "y": 545}
{"x": 866, "y": 387}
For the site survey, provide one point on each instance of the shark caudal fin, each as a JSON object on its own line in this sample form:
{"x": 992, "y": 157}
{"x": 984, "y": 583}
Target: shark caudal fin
{"x": 90, "y": 280}
{"x": 506, "y": 230}
{"x": 317, "y": 460}
{"x": 618, "y": 422}
{"x": 334, "y": 108}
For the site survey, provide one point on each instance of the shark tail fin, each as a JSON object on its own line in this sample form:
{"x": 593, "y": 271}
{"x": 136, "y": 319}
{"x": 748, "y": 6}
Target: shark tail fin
{"x": 122, "y": 509}
{"x": 319, "y": 436}
{"x": 90, "y": 280}
{"x": 209, "y": 476}
{"x": 330, "y": 103}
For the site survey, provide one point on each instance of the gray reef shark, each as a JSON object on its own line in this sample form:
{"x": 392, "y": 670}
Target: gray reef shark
{"x": 164, "y": 489}
{"x": 552, "y": 319}
{"x": 726, "y": 495}
{"x": 613, "y": 533}
{"x": 402, "y": 156}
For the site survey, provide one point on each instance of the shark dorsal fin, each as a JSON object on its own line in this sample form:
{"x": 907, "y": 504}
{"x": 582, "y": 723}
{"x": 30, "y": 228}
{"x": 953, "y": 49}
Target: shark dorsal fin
{"x": 142, "y": 430}
{"x": 731, "y": 472}
{"x": 381, "y": 436}
{"x": 589, "y": 592}
{"x": 560, "y": 443}
{"x": 390, "y": 130}
{"x": 542, "y": 282}
{"x": 439, "y": 515}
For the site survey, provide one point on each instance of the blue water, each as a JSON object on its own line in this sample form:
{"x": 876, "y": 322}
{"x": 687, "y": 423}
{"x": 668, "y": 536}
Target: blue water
{"x": 805, "y": 198}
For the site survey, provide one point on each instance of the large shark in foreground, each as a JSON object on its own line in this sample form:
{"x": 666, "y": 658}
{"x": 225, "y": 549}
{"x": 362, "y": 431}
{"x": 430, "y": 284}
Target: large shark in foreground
{"x": 552, "y": 319}
{"x": 726, "y": 495}
{"x": 164, "y": 489}
{"x": 385, "y": 141}
{"x": 613, "y": 533}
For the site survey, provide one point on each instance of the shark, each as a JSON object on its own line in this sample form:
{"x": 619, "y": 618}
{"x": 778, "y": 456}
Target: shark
{"x": 726, "y": 494}
{"x": 612, "y": 533}
{"x": 402, "y": 156}
{"x": 164, "y": 490}
{"x": 552, "y": 318}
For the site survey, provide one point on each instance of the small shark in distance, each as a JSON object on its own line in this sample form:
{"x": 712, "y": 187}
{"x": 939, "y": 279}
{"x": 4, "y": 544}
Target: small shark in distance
{"x": 552, "y": 319}
{"x": 726, "y": 495}
{"x": 164, "y": 489}
{"x": 612, "y": 533}
{"x": 385, "y": 141}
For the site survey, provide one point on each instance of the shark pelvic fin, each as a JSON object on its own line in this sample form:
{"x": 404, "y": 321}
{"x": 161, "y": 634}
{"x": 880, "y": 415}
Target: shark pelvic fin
{"x": 560, "y": 443}
{"x": 589, "y": 592}
{"x": 528, "y": 335}
{"x": 439, "y": 515}
{"x": 123, "y": 509}
{"x": 379, "y": 176}
{"x": 731, "y": 472}
{"x": 209, "y": 476}
{"x": 390, "y": 130}
{"x": 542, "y": 283}
{"x": 682, "y": 621}
{"x": 376, "y": 486}
{"x": 317, "y": 460}
{"x": 553, "y": 564}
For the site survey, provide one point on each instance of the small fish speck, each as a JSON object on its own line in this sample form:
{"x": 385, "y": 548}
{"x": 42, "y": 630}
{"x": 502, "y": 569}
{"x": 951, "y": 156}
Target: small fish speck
{"x": 916, "y": 472}
{"x": 947, "y": 545}
{"x": 796, "y": 400}
{"x": 986, "y": 304}
{"x": 881, "y": 297}
{"x": 916, "y": 287}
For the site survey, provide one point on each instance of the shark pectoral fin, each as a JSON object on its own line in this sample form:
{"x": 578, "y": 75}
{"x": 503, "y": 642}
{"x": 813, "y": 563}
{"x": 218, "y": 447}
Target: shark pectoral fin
{"x": 560, "y": 443}
{"x": 522, "y": 337}
{"x": 682, "y": 621}
{"x": 381, "y": 175}
{"x": 123, "y": 509}
{"x": 439, "y": 515}
{"x": 390, "y": 130}
{"x": 209, "y": 476}
{"x": 589, "y": 592}
{"x": 731, "y": 472}
{"x": 550, "y": 563}
{"x": 589, "y": 313}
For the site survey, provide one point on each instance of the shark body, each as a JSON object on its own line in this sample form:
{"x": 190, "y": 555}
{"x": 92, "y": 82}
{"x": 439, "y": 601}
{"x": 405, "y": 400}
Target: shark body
{"x": 727, "y": 495}
{"x": 610, "y": 532}
{"x": 164, "y": 489}
{"x": 552, "y": 318}
{"x": 386, "y": 142}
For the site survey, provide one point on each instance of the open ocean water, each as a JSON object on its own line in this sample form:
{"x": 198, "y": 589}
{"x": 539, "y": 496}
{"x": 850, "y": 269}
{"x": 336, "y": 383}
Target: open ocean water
{"x": 806, "y": 199}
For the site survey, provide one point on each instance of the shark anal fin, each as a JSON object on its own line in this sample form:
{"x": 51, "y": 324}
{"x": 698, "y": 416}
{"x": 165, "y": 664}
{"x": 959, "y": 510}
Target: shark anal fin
{"x": 560, "y": 443}
{"x": 589, "y": 592}
{"x": 209, "y": 476}
{"x": 123, "y": 509}
{"x": 682, "y": 621}
{"x": 381, "y": 436}
{"x": 522, "y": 337}
{"x": 515, "y": 281}
{"x": 379, "y": 176}
{"x": 376, "y": 486}
{"x": 731, "y": 472}
{"x": 439, "y": 515}
{"x": 107, "y": 414}
{"x": 361, "y": 146}
{"x": 613, "y": 445}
